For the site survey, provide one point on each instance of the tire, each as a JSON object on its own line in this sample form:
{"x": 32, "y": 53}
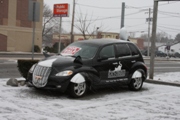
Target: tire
{"x": 77, "y": 90}
{"x": 136, "y": 83}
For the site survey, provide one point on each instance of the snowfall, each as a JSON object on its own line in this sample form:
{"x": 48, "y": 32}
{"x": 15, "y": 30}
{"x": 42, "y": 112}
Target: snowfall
{"x": 153, "y": 102}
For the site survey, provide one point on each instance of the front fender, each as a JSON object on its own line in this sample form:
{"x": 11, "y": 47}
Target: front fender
{"x": 77, "y": 78}
{"x": 86, "y": 69}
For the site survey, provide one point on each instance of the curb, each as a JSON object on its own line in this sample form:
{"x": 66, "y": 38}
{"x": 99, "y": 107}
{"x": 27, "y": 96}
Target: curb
{"x": 162, "y": 82}
{"x": 11, "y": 55}
{"x": 163, "y": 59}
{"x": 19, "y": 53}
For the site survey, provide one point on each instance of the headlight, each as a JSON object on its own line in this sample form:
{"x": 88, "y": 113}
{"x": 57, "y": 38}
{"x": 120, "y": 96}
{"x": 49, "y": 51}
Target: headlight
{"x": 32, "y": 68}
{"x": 65, "y": 73}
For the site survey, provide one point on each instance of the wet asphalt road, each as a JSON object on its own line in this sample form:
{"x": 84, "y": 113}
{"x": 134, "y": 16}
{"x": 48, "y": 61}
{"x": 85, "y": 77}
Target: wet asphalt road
{"x": 9, "y": 69}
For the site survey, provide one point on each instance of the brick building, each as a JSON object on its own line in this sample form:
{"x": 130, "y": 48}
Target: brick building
{"x": 15, "y": 28}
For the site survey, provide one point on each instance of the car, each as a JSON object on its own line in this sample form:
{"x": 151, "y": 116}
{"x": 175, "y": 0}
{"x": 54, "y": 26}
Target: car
{"x": 91, "y": 64}
{"x": 160, "y": 54}
{"x": 177, "y": 55}
{"x": 157, "y": 53}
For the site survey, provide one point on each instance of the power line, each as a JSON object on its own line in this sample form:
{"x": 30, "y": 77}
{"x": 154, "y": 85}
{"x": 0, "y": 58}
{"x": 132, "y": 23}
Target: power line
{"x": 98, "y": 6}
{"x": 145, "y": 18}
{"x": 135, "y": 25}
{"x": 112, "y": 17}
{"x": 127, "y": 6}
{"x": 115, "y": 16}
{"x": 170, "y": 25}
{"x": 168, "y": 28}
{"x": 169, "y": 15}
{"x": 168, "y": 12}
{"x": 167, "y": 31}
{"x": 133, "y": 13}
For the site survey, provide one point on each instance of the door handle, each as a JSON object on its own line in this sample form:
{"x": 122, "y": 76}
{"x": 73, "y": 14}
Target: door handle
{"x": 133, "y": 61}
{"x": 115, "y": 63}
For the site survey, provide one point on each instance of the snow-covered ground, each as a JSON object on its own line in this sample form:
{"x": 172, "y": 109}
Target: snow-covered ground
{"x": 153, "y": 102}
{"x": 168, "y": 77}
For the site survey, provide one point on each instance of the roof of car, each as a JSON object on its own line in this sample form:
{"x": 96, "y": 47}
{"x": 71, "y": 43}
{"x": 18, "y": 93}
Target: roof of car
{"x": 102, "y": 42}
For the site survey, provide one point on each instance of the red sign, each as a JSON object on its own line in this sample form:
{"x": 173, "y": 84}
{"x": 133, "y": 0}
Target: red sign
{"x": 71, "y": 50}
{"x": 61, "y": 10}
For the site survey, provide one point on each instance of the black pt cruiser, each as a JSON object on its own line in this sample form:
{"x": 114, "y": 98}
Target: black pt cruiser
{"x": 91, "y": 64}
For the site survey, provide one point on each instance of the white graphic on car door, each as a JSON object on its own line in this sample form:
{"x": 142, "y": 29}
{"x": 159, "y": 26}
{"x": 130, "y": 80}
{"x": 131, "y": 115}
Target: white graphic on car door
{"x": 117, "y": 72}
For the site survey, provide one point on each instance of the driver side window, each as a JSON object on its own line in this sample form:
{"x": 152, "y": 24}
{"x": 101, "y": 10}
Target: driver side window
{"x": 107, "y": 52}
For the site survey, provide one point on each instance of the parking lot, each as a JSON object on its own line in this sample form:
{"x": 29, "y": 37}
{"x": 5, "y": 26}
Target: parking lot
{"x": 153, "y": 102}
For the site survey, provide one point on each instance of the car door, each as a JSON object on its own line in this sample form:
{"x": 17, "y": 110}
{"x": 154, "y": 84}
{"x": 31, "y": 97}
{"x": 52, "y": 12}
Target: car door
{"x": 124, "y": 58}
{"x": 106, "y": 63}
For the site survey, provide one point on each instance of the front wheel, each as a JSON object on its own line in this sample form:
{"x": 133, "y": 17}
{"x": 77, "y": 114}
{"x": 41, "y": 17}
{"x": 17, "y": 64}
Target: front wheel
{"x": 77, "y": 90}
{"x": 136, "y": 80}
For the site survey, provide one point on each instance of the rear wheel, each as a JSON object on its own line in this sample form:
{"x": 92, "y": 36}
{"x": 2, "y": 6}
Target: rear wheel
{"x": 77, "y": 90}
{"x": 136, "y": 80}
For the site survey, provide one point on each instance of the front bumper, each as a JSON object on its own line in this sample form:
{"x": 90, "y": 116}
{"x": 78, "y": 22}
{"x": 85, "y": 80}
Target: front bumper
{"x": 54, "y": 82}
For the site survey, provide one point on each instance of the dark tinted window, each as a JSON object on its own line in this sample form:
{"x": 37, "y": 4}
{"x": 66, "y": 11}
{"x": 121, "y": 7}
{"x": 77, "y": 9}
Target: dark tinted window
{"x": 107, "y": 51}
{"x": 123, "y": 50}
{"x": 134, "y": 49}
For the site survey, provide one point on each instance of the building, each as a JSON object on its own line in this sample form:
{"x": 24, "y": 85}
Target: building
{"x": 138, "y": 41}
{"x": 65, "y": 38}
{"x": 15, "y": 28}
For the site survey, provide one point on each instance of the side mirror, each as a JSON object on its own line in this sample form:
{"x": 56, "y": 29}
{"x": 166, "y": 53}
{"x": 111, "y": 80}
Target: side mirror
{"x": 123, "y": 34}
{"x": 78, "y": 60}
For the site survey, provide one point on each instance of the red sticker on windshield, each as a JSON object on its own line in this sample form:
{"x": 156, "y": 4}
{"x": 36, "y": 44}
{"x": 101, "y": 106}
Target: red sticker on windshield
{"x": 71, "y": 50}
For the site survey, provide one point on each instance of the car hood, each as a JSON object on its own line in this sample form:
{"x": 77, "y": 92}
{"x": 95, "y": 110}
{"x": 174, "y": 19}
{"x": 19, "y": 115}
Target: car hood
{"x": 57, "y": 61}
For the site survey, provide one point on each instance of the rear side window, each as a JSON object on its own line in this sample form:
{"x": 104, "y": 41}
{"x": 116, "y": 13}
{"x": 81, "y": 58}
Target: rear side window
{"x": 134, "y": 49}
{"x": 123, "y": 50}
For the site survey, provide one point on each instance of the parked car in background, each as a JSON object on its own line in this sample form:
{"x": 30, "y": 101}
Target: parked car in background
{"x": 177, "y": 55}
{"x": 145, "y": 52}
{"x": 160, "y": 54}
{"x": 157, "y": 53}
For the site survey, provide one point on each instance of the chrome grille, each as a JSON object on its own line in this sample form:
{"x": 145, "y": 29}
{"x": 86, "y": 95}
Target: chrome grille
{"x": 40, "y": 75}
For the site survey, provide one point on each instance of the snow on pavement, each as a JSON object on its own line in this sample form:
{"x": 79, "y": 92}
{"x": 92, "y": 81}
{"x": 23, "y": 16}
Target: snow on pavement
{"x": 168, "y": 77}
{"x": 153, "y": 102}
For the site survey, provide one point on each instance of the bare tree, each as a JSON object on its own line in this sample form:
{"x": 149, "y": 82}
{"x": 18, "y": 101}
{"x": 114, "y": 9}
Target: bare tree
{"x": 177, "y": 38}
{"x": 48, "y": 19}
{"x": 50, "y": 24}
{"x": 86, "y": 27}
{"x": 160, "y": 37}
{"x": 144, "y": 36}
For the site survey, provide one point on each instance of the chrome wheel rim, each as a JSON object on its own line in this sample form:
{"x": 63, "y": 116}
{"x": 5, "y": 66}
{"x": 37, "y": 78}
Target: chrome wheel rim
{"x": 80, "y": 88}
{"x": 137, "y": 82}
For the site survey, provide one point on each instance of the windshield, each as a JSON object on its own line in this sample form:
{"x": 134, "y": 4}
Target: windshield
{"x": 78, "y": 49}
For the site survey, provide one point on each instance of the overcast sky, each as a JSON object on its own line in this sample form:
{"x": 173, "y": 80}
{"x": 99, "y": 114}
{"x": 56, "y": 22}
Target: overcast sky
{"x": 108, "y": 15}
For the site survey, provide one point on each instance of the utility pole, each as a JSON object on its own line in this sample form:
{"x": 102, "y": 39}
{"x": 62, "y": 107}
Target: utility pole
{"x": 34, "y": 26}
{"x": 72, "y": 24}
{"x": 33, "y": 15}
{"x": 122, "y": 14}
{"x": 60, "y": 24}
{"x": 155, "y": 10}
{"x": 149, "y": 21}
